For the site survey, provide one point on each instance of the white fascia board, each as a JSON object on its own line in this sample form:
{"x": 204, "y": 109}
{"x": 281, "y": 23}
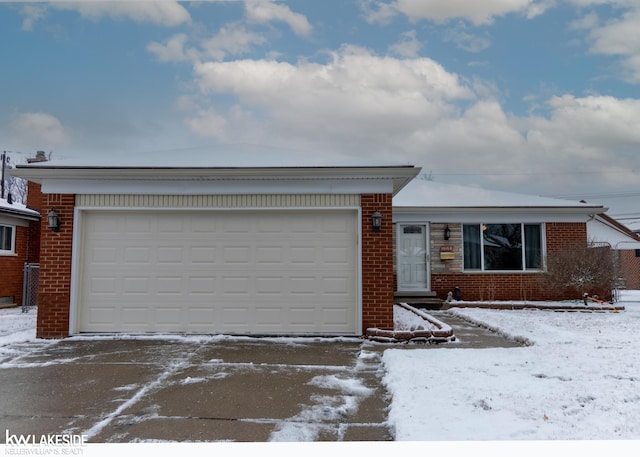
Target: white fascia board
{"x": 207, "y": 180}
{"x": 217, "y": 187}
{"x": 17, "y": 221}
{"x": 493, "y": 215}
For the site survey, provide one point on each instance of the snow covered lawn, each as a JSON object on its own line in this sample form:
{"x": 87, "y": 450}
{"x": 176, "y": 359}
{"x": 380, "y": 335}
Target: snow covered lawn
{"x": 580, "y": 379}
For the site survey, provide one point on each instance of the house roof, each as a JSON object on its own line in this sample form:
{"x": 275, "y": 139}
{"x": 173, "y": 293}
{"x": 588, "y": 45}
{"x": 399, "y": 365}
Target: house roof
{"x": 603, "y": 229}
{"x": 178, "y": 179}
{"x": 452, "y": 197}
{"x": 17, "y": 210}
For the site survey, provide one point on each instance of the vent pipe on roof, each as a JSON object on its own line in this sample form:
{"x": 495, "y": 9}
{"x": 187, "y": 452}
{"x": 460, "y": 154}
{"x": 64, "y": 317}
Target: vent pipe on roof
{"x": 40, "y": 157}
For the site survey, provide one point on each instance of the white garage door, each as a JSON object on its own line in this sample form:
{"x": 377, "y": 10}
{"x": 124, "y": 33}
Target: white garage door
{"x": 239, "y": 272}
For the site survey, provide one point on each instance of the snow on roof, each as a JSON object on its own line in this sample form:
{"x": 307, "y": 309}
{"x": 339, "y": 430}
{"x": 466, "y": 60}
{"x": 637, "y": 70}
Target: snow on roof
{"x": 432, "y": 194}
{"x": 219, "y": 156}
{"x": 16, "y": 207}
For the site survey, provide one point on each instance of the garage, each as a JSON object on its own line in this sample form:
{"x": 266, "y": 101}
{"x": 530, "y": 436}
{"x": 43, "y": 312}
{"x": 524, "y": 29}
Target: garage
{"x": 237, "y": 272}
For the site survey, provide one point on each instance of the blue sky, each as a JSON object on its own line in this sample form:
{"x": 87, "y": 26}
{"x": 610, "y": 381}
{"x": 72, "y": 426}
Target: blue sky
{"x": 532, "y": 96}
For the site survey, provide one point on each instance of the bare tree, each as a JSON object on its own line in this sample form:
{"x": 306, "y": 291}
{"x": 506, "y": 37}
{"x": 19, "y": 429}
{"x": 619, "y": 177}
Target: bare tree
{"x": 17, "y": 187}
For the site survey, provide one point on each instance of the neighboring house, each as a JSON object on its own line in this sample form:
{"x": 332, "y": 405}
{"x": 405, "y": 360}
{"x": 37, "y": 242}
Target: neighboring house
{"x": 489, "y": 245}
{"x": 18, "y": 245}
{"x": 605, "y": 230}
{"x": 289, "y": 250}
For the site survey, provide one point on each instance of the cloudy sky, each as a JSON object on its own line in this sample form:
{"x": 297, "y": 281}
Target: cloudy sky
{"x": 532, "y": 96}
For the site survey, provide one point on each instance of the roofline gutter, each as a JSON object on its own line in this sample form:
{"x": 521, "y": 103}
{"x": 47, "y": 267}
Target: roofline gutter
{"x": 591, "y": 210}
{"x": 20, "y": 214}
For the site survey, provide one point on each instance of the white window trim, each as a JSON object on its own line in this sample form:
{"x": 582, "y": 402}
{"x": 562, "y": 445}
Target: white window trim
{"x": 12, "y": 250}
{"x": 524, "y": 269}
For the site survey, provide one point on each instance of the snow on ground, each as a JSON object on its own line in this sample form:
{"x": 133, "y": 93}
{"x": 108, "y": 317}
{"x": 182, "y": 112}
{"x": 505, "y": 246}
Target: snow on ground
{"x": 16, "y": 327}
{"x": 580, "y": 379}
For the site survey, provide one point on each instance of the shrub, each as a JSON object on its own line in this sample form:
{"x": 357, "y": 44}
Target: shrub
{"x": 584, "y": 268}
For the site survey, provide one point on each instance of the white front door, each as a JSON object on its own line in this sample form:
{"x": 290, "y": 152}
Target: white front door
{"x": 413, "y": 257}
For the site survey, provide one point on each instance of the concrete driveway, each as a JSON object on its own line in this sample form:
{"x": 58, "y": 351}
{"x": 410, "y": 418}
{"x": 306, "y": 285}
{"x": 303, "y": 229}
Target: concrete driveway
{"x": 195, "y": 389}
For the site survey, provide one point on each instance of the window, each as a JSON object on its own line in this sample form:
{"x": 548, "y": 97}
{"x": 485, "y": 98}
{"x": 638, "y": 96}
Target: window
{"x": 502, "y": 247}
{"x": 7, "y": 238}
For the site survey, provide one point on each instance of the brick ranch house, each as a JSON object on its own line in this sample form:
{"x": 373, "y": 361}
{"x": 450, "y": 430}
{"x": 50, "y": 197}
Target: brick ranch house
{"x": 19, "y": 244}
{"x": 279, "y": 250}
{"x": 489, "y": 245}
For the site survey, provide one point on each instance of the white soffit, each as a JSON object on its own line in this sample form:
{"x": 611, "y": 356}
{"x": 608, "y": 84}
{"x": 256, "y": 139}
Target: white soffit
{"x": 194, "y": 181}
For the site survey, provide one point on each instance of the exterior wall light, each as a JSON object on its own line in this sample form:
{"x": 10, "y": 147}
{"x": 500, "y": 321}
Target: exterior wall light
{"x": 447, "y": 233}
{"x": 376, "y": 221}
{"x": 54, "y": 220}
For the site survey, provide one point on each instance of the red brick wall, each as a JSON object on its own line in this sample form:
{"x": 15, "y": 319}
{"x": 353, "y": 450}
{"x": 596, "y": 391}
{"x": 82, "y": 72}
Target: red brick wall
{"x": 377, "y": 264}
{"x": 630, "y": 268}
{"x": 34, "y": 201}
{"x": 513, "y": 286}
{"x": 54, "y": 292}
{"x": 561, "y": 235}
{"x": 12, "y": 267}
{"x": 27, "y": 249}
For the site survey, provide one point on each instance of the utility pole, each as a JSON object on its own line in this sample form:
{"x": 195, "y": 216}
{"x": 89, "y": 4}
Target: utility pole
{"x": 4, "y": 163}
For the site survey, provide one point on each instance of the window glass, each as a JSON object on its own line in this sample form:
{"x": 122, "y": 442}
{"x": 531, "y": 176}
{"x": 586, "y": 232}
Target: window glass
{"x": 533, "y": 246}
{"x": 472, "y": 247}
{"x": 6, "y": 238}
{"x": 412, "y": 229}
{"x": 502, "y": 246}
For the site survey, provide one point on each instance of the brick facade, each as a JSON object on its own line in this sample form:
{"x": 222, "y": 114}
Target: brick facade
{"x": 27, "y": 250}
{"x": 377, "y": 263}
{"x": 629, "y": 263}
{"x": 34, "y": 201}
{"x": 448, "y": 274}
{"x": 56, "y": 254}
{"x": 13, "y": 267}
{"x": 54, "y": 292}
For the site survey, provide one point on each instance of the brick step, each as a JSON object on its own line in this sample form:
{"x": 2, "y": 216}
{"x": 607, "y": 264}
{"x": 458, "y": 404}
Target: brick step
{"x": 424, "y": 300}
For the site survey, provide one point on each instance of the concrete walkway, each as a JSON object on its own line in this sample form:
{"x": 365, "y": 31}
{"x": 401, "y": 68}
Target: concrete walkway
{"x": 224, "y": 390}
{"x": 207, "y": 389}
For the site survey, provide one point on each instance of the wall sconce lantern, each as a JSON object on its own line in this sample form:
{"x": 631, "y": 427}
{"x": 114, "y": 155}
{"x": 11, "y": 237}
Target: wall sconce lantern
{"x": 376, "y": 221}
{"x": 447, "y": 233}
{"x": 54, "y": 220}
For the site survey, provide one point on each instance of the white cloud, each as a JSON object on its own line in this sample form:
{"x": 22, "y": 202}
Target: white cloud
{"x": 411, "y": 110}
{"x": 408, "y": 46}
{"x": 356, "y": 100}
{"x": 172, "y": 50}
{"x": 231, "y": 39}
{"x": 477, "y": 12}
{"x": 472, "y": 42}
{"x": 208, "y": 123}
{"x": 600, "y": 123}
{"x": 167, "y": 13}
{"x": 621, "y": 37}
{"x": 586, "y": 22}
{"x": 32, "y": 13}
{"x": 37, "y": 131}
{"x": 377, "y": 12}
{"x": 265, "y": 11}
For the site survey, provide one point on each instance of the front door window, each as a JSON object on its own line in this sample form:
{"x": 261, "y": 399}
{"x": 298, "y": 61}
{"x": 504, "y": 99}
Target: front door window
{"x": 413, "y": 258}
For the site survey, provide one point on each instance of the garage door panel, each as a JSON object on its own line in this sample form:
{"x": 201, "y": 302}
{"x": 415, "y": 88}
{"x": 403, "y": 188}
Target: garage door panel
{"x": 266, "y": 272}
